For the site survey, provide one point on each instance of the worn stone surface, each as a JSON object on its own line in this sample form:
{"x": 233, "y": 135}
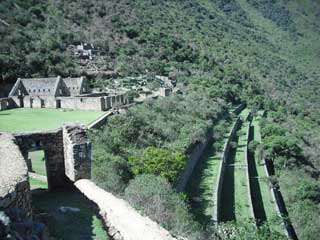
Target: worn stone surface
{"x": 77, "y": 153}
{"x": 14, "y": 185}
{"x": 124, "y": 222}
{"x": 51, "y": 142}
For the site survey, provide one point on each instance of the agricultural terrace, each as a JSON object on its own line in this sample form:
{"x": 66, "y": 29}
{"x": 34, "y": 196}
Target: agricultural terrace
{"x": 204, "y": 179}
{"x": 235, "y": 195}
{"x": 36, "y": 119}
{"x": 265, "y": 206}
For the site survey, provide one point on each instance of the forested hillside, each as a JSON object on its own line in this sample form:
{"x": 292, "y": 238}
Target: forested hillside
{"x": 262, "y": 52}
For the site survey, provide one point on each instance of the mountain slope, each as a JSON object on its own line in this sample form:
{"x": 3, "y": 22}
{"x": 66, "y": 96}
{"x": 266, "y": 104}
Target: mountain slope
{"x": 264, "y": 52}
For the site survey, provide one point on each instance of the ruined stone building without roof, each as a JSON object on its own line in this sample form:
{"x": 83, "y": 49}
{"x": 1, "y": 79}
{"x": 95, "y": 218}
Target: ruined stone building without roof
{"x": 64, "y": 93}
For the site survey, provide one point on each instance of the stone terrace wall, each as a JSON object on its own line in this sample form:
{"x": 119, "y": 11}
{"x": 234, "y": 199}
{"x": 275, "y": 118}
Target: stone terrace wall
{"x": 98, "y": 123}
{"x": 250, "y": 190}
{"x": 192, "y": 161}
{"x": 217, "y": 189}
{"x": 14, "y": 185}
{"x": 123, "y": 222}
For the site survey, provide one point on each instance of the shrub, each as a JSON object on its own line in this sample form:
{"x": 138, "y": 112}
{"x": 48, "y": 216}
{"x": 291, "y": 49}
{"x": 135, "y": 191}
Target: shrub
{"x": 154, "y": 196}
{"x": 158, "y": 161}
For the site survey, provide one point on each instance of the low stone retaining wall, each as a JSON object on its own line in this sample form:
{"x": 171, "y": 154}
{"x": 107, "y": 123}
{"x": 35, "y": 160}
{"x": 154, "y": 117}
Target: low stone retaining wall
{"x": 100, "y": 121}
{"x": 193, "y": 159}
{"x": 281, "y": 206}
{"x": 224, "y": 157}
{"x": 123, "y": 222}
{"x": 239, "y": 108}
{"x": 14, "y": 185}
{"x": 278, "y": 199}
{"x": 250, "y": 190}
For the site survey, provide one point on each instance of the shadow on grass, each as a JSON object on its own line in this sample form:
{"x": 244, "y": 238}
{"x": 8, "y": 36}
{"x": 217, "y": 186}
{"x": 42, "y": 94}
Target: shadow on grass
{"x": 200, "y": 199}
{"x": 227, "y": 206}
{"x": 68, "y": 225}
{"x": 257, "y": 201}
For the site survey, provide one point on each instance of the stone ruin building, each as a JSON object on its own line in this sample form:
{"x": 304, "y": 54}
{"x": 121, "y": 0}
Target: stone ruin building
{"x": 58, "y": 92}
{"x": 68, "y": 164}
{"x": 67, "y": 159}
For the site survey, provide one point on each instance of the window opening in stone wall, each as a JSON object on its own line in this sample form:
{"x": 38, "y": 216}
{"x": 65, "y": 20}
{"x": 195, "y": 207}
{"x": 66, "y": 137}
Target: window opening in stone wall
{"x": 38, "y": 174}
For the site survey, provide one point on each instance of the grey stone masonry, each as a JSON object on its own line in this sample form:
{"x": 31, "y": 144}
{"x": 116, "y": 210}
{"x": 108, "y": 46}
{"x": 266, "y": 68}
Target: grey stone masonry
{"x": 14, "y": 185}
{"x": 77, "y": 153}
{"x": 51, "y": 143}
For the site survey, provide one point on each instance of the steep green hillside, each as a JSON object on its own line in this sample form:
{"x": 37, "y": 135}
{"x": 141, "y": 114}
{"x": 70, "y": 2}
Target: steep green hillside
{"x": 264, "y": 52}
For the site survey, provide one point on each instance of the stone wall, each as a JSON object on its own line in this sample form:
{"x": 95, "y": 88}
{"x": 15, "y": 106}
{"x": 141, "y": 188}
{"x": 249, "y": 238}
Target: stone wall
{"x": 51, "y": 142}
{"x": 83, "y": 103}
{"x": 77, "y": 153}
{"x": 217, "y": 189}
{"x": 192, "y": 161}
{"x": 250, "y": 190}
{"x": 100, "y": 121}
{"x": 14, "y": 185}
{"x": 123, "y": 222}
{"x": 280, "y": 205}
{"x": 7, "y": 103}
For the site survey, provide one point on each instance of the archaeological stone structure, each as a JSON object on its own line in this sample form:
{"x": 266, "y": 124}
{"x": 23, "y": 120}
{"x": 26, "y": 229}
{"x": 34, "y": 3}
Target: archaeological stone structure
{"x": 60, "y": 93}
{"x": 68, "y": 163}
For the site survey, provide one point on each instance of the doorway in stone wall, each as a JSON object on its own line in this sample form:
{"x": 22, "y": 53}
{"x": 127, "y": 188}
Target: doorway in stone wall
{"x": 37, "y": 169}
{"x": 58, "y": 103}
{"x": 42, "y": 103}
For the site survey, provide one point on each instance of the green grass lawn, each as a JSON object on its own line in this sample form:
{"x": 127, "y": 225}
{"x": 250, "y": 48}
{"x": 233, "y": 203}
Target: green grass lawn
{"x": 36, "y": 183}
{"x": 242, "y": 207}
{"x": 69, "y": 225}
{"x": 23, "y": 119}
{"x": 38, "y": 162}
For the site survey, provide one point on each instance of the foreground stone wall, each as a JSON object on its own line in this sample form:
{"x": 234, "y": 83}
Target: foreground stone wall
{"x": 77, "y": 153}
{"x": 51, "y": 142}
{"x": 123, "y": 222}
{"x": 14, "y": 185}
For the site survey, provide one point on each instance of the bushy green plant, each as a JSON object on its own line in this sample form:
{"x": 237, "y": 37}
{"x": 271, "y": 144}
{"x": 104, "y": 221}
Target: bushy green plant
{"x": 158, "y": 161}
{"x": 154, "y": 197}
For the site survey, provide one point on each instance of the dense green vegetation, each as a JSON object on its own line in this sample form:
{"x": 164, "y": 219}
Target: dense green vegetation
{"x": 17, "y": 120}
{"x": 263, "y": 52}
